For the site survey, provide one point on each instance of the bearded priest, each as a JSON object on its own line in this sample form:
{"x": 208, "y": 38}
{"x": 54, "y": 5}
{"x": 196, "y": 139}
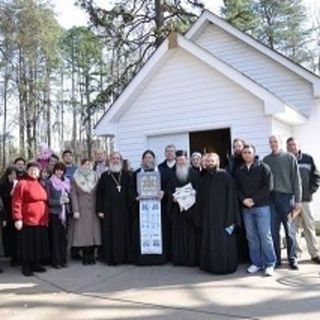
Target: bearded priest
{"x": 113, "y": 208}
{"x": 220, "y": 219}
{"x": 186, "y": 232}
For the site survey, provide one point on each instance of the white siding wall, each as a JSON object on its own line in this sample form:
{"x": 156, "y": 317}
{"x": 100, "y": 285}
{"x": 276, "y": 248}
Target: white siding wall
{"x": 282, "y": 129}
{"x": 159, "y": 142}
{"x": 257, "y": 66}
{"x": 187, "y": 95}
{"x": 309, "y": 137}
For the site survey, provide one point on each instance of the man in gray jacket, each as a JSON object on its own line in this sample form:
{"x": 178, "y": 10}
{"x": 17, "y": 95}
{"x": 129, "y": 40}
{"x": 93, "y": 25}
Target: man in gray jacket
{"x": 285, "y": 197}
{"x": 310, "y": 179}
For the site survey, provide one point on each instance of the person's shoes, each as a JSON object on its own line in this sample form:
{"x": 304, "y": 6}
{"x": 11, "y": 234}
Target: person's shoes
{"x": 76, "y": 253}
{"x": 56, "y": 266}
{"x": 1, "y": 271}
{"x": 27, "y": 272}
{"x": 64, "y": 265}
{"x": 294, "y": 265}
{"x": 316, "y": 260}
{"x": 277, "y": 265}
{"x": 253, "y": 269}
{"x": 92, "y": 259}
{"x": 39, "y": 269}
{"x": 76, "y": 257}
{"x": 85, "y": 260}
{"x": 269, "y": 271}
{"x": 13, "y": 263}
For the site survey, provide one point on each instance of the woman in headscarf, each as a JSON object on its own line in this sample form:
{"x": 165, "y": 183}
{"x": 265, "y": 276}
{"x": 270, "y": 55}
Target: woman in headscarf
{"x": 30, "y": 213}
{"x": 86, "y": 232}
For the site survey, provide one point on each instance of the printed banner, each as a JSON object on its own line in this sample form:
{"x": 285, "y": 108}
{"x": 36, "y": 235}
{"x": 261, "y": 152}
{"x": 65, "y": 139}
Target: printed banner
{"x": 150, "y": 227}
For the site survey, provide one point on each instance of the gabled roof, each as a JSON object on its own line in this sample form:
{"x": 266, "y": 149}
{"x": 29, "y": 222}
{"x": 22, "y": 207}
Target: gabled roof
{"x": 209, "y": 17}
{"x": 273, "y": 105}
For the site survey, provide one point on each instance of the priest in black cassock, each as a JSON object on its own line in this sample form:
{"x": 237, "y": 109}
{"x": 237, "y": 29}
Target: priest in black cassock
{"x": 148, "y": 163}
{"x": 113, "y": 207}
{"x": 220, "y": 219}
{"x": 234, "y": 163}
{"x": 186, "y": 232}
{"x": 167, "y": 170}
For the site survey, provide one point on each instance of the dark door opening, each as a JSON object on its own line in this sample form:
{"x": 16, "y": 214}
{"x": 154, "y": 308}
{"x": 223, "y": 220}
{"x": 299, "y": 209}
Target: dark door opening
{"x": 218, "y": 141}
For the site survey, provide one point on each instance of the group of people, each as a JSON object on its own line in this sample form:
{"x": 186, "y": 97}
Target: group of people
{"x": 94, "y": 210}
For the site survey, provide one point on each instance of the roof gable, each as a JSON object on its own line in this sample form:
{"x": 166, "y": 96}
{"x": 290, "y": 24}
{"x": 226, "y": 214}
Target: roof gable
{"x": 208, "y": 17}
{"x": 272, "y": 103}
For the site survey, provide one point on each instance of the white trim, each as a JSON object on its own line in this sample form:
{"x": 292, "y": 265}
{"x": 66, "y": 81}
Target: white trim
{"x": 208, "y": 16}
{"x": 272, "y": 103}
{"x": 291, "y": 117}
{"x": 189, "y": 129}
{"x": 109, "y": 129}
{"x": 132, "y": 90}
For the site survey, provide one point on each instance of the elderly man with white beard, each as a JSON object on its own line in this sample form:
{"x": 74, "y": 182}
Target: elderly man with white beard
{"x": 113, "y": 207}
{"x": 186, "y": 232}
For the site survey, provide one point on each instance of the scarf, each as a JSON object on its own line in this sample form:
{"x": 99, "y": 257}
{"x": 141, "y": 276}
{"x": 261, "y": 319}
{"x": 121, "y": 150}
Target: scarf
{"x": 85, "y": 179}
{"x": 64, "y": 187}
{"x": 59, "y": 184}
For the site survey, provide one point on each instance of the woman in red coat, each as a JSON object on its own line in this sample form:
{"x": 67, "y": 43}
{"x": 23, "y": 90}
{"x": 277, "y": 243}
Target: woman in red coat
{"x": 30, "y": 213}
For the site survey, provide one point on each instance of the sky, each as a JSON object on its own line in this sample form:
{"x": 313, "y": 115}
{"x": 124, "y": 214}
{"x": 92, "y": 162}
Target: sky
{"x": 69, "y": 15}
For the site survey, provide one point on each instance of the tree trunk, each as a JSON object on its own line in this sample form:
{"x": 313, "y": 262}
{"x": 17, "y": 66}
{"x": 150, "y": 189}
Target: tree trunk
{"x": 4, "y": 127}
{"x": 29, "y": 115}
{"x": 88, "y": 115}
{"x": 48, "y": 107}
{"x": 73, "y": 99}
{"x": 62, "y": 110}
{"x": 21, "y": 87}
{"x": 159, "y": 20}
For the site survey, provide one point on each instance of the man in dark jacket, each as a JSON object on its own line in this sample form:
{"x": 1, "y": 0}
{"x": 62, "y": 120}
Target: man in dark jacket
{"x": 254, "y": 183}
{"x": 310, "y": 180}
{"x": 167, "y": 170}
{"x": 236, "y": 161}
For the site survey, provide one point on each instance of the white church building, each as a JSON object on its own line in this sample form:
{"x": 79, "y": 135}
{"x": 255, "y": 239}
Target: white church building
{"x": 201, "y": 90}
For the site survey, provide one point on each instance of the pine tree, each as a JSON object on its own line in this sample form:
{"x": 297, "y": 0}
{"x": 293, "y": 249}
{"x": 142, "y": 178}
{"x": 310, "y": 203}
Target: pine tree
{"x": 132, "y": 30}
{"x": 281, "y": 25}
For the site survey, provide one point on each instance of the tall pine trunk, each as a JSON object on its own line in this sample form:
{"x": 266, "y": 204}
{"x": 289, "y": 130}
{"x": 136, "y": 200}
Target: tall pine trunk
{"x": 22, "y": 97}
{"x": 159, "y": 19}
{"x": 48, "y": 107}
{"x": 4, "y": 127}
{"x": 88, "y": 115}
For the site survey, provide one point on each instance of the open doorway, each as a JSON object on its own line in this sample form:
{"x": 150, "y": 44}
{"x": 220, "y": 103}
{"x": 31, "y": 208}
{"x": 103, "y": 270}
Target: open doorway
{"x": 218, "y": 141}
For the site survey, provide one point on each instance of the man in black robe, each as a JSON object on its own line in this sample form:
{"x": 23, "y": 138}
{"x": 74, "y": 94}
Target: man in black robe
{"x": 113, "y": 207}
{"x": 147, "y": 165}
{"x": 220, "y": 218}
{"x": 167, "y": 170}
{"x": 168, "y": 167}
{"x": 186, "y": 232}
{"x": 234, "y": 163}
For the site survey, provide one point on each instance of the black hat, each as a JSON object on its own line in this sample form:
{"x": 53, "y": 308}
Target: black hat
{"x": 148, "y": 152}
{"x": 181, "y": 153}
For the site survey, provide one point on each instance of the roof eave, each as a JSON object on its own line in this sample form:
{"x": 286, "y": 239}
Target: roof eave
{"x": 208, "y": 16}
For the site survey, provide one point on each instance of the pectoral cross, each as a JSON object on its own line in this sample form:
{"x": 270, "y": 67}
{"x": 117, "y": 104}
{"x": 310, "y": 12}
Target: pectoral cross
{"x": 119, "y": 188}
